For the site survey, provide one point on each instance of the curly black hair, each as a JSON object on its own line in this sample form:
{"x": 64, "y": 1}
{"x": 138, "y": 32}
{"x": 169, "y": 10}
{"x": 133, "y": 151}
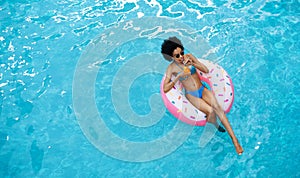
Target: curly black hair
{"x": 169, "y": 46}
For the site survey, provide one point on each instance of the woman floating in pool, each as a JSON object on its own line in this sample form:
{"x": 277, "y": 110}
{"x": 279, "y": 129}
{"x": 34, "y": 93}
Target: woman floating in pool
{"x": 183, "y": 66}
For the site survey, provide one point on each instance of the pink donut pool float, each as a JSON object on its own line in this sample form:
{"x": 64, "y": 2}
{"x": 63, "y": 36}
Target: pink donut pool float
{"x": 217, "y": 80}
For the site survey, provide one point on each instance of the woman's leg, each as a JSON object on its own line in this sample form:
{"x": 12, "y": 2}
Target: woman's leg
{"x": 212, "y": 101}
{"x": 207, "y": 109}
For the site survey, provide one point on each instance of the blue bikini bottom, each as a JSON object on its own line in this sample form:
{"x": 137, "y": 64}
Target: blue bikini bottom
{"x": 196, "y": 93}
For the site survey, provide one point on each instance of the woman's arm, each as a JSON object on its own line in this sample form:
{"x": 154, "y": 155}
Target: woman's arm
{"x": 168, "y": 84}
{"x": 195, "y": 62}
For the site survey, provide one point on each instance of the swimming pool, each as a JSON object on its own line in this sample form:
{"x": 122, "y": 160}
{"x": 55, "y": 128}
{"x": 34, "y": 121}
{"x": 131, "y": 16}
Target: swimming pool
{"x": 43, "y": 43}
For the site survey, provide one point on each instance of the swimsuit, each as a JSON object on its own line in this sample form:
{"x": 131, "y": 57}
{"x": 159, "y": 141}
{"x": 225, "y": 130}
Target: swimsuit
{"x": 196, "y": 93}
{"x": 192, "y": 69}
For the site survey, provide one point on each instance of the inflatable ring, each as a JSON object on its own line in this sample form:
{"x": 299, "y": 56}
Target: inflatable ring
{"x": 217, "y": 80}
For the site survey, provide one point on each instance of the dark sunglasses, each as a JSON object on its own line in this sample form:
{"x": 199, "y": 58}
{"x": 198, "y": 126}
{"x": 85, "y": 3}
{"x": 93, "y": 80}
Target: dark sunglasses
{"x": 178, "y": 55}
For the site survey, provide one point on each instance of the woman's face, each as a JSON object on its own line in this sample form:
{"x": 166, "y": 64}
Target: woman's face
{"x": 178, "y": 55}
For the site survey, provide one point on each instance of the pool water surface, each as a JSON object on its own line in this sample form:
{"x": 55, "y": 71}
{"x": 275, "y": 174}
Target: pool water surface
{"x": 46, "y": 130}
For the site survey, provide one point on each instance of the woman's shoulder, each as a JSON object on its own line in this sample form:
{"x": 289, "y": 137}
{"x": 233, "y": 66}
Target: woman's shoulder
{"x": 171, "y": 66}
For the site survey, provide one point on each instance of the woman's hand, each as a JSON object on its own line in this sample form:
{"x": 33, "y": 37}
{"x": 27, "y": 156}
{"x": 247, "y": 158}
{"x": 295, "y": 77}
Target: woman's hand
{"x": 188, "y": 59}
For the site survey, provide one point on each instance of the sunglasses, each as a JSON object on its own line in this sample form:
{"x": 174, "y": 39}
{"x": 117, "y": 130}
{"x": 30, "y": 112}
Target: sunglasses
{"x": 178, "y": 55}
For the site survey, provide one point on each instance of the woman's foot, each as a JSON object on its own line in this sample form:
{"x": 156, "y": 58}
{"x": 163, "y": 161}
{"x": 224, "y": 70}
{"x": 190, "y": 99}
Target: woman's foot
{"x": 221, "y": 129}
{"x": 238, "y": 148}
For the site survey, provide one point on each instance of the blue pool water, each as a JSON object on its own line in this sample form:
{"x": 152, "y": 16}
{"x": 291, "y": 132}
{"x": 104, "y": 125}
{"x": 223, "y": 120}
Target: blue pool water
{"x": 44, "y": 132}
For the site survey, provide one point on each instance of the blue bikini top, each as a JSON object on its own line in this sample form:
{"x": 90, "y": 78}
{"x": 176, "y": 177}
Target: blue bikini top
{"x": 192, "y": 69}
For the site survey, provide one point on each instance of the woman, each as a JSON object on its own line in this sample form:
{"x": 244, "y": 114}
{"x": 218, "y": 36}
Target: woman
{"x": 203, "y": 99}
